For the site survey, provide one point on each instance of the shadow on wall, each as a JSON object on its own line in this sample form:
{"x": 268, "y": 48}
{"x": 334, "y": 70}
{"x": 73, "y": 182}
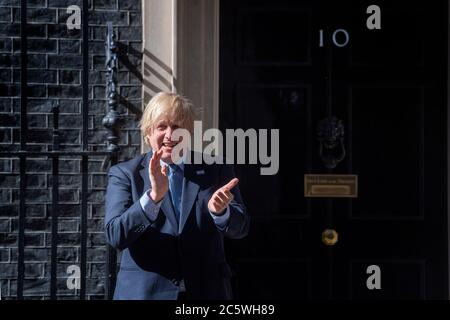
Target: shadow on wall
{"x": 155, "y": 81}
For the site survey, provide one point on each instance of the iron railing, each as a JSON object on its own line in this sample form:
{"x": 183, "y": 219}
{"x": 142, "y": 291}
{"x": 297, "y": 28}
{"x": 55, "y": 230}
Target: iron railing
{"x": 111, "y": 121}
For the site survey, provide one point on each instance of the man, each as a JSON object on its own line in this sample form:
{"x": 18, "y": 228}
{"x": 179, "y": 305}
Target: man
{"x": 170, "y": 220}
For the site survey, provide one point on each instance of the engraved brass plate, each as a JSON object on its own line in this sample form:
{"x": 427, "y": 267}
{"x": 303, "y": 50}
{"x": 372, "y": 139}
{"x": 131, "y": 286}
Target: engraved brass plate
{"x": 331, "y": 185}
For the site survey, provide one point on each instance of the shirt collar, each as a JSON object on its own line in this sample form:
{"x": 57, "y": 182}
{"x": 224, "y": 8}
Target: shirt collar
{"x": 180, "y": 165}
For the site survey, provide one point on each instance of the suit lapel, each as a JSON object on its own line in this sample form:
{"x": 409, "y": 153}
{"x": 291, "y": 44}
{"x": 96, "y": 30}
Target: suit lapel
{"x": 166, "y": 204}
{"x": 189, "y": 194}
{"x": 144, "y": 171}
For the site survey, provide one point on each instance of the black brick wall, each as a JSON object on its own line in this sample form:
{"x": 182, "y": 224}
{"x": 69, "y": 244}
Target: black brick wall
{"x": 54, "y": 77}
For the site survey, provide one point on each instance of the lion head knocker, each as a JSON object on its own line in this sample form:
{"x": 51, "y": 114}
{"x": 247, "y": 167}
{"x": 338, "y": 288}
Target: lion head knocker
{"x": 330, "y": 133}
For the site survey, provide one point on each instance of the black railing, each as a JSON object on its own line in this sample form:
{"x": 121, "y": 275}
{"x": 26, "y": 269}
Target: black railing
{"x": 111, "y": 121}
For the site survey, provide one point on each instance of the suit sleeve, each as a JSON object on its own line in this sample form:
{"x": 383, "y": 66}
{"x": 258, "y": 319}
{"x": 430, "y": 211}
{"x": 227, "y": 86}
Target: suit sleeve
{"x": 221, "y": 221}
{"x": 125, "y": 221}
{"x": 238, "y": 222}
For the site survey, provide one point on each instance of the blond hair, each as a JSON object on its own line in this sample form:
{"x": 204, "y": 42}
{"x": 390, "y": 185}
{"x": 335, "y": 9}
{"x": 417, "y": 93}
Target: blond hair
{"x": 167, "y": 104}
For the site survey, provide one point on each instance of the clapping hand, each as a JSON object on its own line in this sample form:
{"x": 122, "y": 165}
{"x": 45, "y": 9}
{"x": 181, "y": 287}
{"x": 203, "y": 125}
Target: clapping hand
{"x": 158, "y": 177}
{"x": 222, "y": 198}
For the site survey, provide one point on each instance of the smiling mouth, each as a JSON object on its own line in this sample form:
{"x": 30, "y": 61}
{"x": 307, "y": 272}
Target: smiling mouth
{"x": 169, "y": 144}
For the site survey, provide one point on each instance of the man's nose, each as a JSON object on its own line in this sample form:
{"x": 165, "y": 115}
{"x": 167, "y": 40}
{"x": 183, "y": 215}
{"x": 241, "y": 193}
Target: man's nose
{"x": 169, "y": 132}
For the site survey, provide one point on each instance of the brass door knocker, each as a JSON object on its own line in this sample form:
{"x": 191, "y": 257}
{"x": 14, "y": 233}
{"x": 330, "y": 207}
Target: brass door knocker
{"x": 330, "y": 133}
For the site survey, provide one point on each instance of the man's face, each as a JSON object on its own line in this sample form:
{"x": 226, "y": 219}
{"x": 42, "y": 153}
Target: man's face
{"x": 160, "y": 136}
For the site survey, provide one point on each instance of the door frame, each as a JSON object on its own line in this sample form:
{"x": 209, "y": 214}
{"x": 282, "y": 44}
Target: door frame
{"x": 181, "y": 54}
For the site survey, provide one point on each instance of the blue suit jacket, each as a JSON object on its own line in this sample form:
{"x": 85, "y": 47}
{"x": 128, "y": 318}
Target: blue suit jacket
{"x": 156, "y": 255}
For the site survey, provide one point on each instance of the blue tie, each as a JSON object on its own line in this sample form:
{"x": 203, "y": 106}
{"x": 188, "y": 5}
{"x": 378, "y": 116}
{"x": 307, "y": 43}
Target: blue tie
{"x": 176, "y": 187}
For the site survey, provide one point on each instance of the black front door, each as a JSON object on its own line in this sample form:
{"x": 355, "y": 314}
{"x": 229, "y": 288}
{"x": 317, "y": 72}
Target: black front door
{"x": 288, "y": 65}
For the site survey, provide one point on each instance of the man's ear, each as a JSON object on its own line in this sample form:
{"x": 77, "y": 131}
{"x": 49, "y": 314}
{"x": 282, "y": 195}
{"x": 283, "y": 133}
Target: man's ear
{"x": 147, "y": 139}
{"x": 148, "y": 135}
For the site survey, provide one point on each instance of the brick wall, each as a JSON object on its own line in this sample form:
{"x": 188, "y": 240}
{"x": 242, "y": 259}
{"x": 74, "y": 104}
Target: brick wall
{"x": 54, "y": 77}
